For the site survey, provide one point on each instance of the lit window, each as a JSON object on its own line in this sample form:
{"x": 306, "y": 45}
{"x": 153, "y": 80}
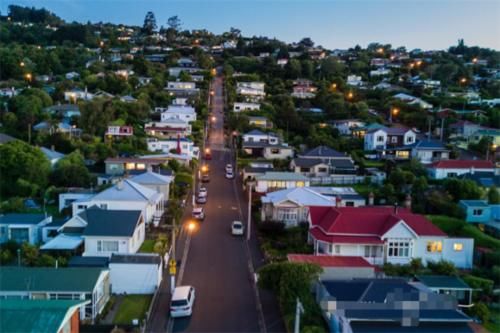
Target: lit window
{"x": 130, "y": 166}
{"x": 141, "y": 166}
{"x": 434, "y": 246}
{"x": 300, "y": 184}
{"x": 458, "y": 247}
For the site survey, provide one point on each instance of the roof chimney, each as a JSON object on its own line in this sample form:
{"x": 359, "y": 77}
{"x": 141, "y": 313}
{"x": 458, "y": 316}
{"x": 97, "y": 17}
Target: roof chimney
{"x": 371, "y": 199}
{"x": 338, "y": 201}
{"x": 119, "y": 185}
{"x": 396, "y": 208}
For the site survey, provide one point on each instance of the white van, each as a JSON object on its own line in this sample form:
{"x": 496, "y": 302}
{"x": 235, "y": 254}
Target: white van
{"x": 182, "y": 302}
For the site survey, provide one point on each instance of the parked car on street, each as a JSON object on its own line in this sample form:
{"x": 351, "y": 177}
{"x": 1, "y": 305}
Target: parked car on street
{"x": 229, "y": 174}
{"x": 205, "y": 178}
{"x": 237, "y": 228}
{"x": 229, "y": 167}
{"x": 202, "y": 191}
{"x": 182, "y": 302}
{"x": 198, "y": 213}
{"x": 201, "y": 199}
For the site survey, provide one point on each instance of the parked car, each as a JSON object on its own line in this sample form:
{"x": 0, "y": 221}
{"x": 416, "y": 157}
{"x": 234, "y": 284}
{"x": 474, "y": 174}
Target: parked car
{"x": 229, "y": 174}
{"x": 198, "y": 213}
{"x": 182, "y": 302}
{"x": 202, "y": 191}
{"x": 208, "y": 154}
{"x": 205, "y": 178}
{"x": 229, "y": 167}
{"x": 201, "y": 199}
{"x": 237, "y": 228}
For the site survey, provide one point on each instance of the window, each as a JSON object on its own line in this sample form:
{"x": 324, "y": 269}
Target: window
{"x": 349, "y": 204}
{"x": 130, "y": 166}
{"x": 394, "y": 139}
{"x": 399, "y": 249}
{"x": 452, "y": 174}
{"x": 322, "y": 170}
{"x": 434, "y": 246}
{"x": 107, "y": 246}
{"x": 403, "y": 154}
{"x": 304, "y": 169}
{"x": 477, "y": 212}
{"x": 409, "y": 139}
{"x": 458, "y": 247}
{"x": 287, "y": 214}
{"x": 300, "y": 184}
{"x": 82, "y": 206}
{"x": 275, "y": 151}
{"x": 380, "y": 139}
{"x": 103, "y": 206}
{"x": 20, "y": 235}
{"x": 371, "y": 251}
{"x": 330, "y": 248}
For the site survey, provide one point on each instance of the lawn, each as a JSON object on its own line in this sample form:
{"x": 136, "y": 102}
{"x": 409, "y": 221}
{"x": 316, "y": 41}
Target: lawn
{"x": 147, "y": 246}
{"x": 132, "y": 307}
{"x": 373, "y": 164}
{"x": 457, "y": 227}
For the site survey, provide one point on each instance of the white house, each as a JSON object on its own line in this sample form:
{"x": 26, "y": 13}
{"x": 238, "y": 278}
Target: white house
{"x": 66, "y": 199}
{"x": 22, "y": 227}
{"x": 412, "y": 100}
{"x": 251, "y": 90}
{"x": 185, "y": 113}
{"x": 139, "y": 273}
{"x": 156, "y": 182}
{"x": 354, "y": 80}
{"x": 169, "y": 128}
{"x": 239, "y": 107}
{"x": 186, "y": 146}
{"x": 345, "y": 126}
{"x": 384, "y": 235}
{"x": 259, "y": 136}
{"x": 456, "y": 168}
{"x": 126, "y": 195}
{"x": 179, "y": 88}
{"x": 382, "y": 138}
{"x": 75, "y": 94}
{"x": 111, "y": 231}
{"x": 272, "y": 181}
{"x": 380, "y": 72}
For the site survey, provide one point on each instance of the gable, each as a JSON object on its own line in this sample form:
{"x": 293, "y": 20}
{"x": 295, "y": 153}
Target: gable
{"x": 287, "y": 203}
{"x": 399, "y": 230}
{"x": 74, "y": 222}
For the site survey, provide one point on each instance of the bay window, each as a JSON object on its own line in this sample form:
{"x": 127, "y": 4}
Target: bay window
{"x": 399, "y": 248}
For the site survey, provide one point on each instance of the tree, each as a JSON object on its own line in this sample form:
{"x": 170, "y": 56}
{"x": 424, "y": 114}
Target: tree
{"x": 149, "y": 25}
{"x": 22, "y": 162}
{"x": 462, "y": 189}
{"x": 174, "y": 22}
{"x": 71, "y": 171}
{"x": 493, "y": 195}
{"x": 306, "y": 42}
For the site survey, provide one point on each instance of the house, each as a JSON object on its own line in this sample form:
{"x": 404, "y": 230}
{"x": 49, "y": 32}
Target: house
{"x": 387, "y": 305}
{"x": 380, "y": 72}
{"x": 22, "y": 227}
{"x": 111, "y": 231}
{"x": 323, "y": 161}
{"x": 126, "y": 270}
{"x": 126, "y": 195}
{"x": 455, "y": 168}
{"x": 168, "y": 129}
{"x": 429, "y": 151}
{"x": 354, "y": 80}
{"x": 67, "y": 198}
{"x": 261, "y": 122}
{"x": 412, "y": 100}
{"x": 256, "y": 168}
{"x": 484, "y": 179}
{"x": 65, "y": 111}
{"x": 119, "y": 131}
{"x": 381, "y": 138}
{"x": 180, "y": 145}
{"x": 384, "y": 235}
{"x": 304, "y": 89}
{"x": 122, "y": 165}
{"x": 41, "y": 316}
{"x": 491, "y": 134}
{"x": 464, "y": 128}
{"x": 128, "y": 99}
{"x": 482, "y": 213}
{"x": 72, "y": 75}
{"x": 50, "y": 283}
{"x": 337, "y": 268}
{"x": 144, "y": 80}
{"x": 346, "y": 126}
{"x": 239, "y": 107}
{"x": 449, "y": 285}
{"x": 75, "y": 94}
{"x": 176, "y": 71}
{"x": 267, "y": 145}
{"x": 185, "y": 113}
{"x": 63, "y": 127}
{"x": 182, "y": 89}
{"x": 291, "y": 206}
{"x": 272, "y": 181}
{"x": 252, "y": 91}
{"x": 156, "y": 182}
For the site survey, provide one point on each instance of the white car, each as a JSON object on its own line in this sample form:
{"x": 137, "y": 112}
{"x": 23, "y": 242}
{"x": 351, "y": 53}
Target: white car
{"x": 202, "y": 192}
{"x": 182, "y": 301}
{"x": 201, "y": 199}
{"x": 237, "y": 228}
{"x": 229, "y": 174}
{"x": 198, "y": 213}
{"x": 229, "y": 167}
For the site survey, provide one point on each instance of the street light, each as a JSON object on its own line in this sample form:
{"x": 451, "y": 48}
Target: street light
{"x": 191, "y": 226}
{"x": 250, "y": 184}
{"x": 393, "y": 113}
{"x": 380, "y": 50}
{"x": 334, "y": 86}
{"x": 463, "y": 80}
{"x": 28, "y": 77}
{"x": 474, "y": 60}
{"x": 214, "y": 119}
{"x": 21, "y": 64}
{"x": 350, "y": 95}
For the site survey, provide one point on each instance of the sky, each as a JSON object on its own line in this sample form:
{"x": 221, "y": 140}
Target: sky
{"x": 425, "y": 24}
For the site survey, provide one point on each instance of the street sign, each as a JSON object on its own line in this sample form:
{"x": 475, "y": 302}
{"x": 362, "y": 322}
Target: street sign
{"x": 172, "y": 267}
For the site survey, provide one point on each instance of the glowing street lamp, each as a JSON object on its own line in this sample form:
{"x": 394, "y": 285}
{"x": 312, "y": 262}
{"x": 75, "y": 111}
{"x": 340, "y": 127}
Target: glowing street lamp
{"x": 380, "y": 50}
{"x": 334, "y": 86}
{"x": 463, "y": 80}
{"x": 101, "y": 43}
{"x": 213, "y": 119}
{"x": 474, "y": 60}
{"x": 191, "y": 226}
{"x": 419, "y": 63}
{"x": 28, "y": 77}
{"x": 204, "y": 168}
{"x": 21, "y": 64}
{"x": 350, "y": 95}
{"x": 393, "y": 113}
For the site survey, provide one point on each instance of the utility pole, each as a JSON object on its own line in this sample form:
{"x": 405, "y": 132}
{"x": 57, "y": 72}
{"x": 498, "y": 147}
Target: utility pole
{"x": 299, "y": 309}
{"x": 173, "y": 261}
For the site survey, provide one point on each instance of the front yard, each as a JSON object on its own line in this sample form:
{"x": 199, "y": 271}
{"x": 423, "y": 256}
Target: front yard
{"x": 132, "y": 307}
{"x": 277, "y": 242}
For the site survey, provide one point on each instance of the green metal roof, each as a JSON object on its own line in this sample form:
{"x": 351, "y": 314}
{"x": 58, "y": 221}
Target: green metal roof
{"x": 284, "y": 176}
{"x": 16, "y": 218}
{"x": 74, "y": 279}
{"x": 443, "y": 282}
{"x": 37, "y": 316}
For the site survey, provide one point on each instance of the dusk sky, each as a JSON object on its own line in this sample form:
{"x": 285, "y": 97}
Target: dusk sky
{"x": 426, "y": 24}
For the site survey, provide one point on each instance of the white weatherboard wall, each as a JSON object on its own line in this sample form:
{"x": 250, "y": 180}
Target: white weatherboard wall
{"x": 132, "y": 278}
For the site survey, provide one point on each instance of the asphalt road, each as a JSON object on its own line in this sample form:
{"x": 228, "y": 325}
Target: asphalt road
{"x": 217, "y": 264}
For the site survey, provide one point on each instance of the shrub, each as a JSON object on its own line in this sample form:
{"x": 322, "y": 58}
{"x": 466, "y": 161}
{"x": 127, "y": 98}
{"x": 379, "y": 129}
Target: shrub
{"x": 271, "y": 228}
{"x": 442, "y": 267}
{"x": 476, "y": 282}
{"x": 481, "y": 311}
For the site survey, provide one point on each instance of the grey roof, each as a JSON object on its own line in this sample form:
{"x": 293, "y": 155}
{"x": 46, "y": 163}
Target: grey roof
{"x": 138, "y": 258}
{"x": 256, "y": 132}
{"x": 113, "y": 223}
{"x": 4, "y": 138}
{"x": 49, "y": 279}
{"x": 15, "y": 218}
{"x": 130, "y": 191}
{"x": 336, "y": 163}
{"x": 274, "y": 175}
{"x": 51, "y": 154}
{"x": 323, "y": 151}
{"x": 79, "y": 261}
{"x": 431, "y": 145}
{"x": 257, "y": 144}
{"x": 153, "y": 178}
{"x": 443, "y": 281}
